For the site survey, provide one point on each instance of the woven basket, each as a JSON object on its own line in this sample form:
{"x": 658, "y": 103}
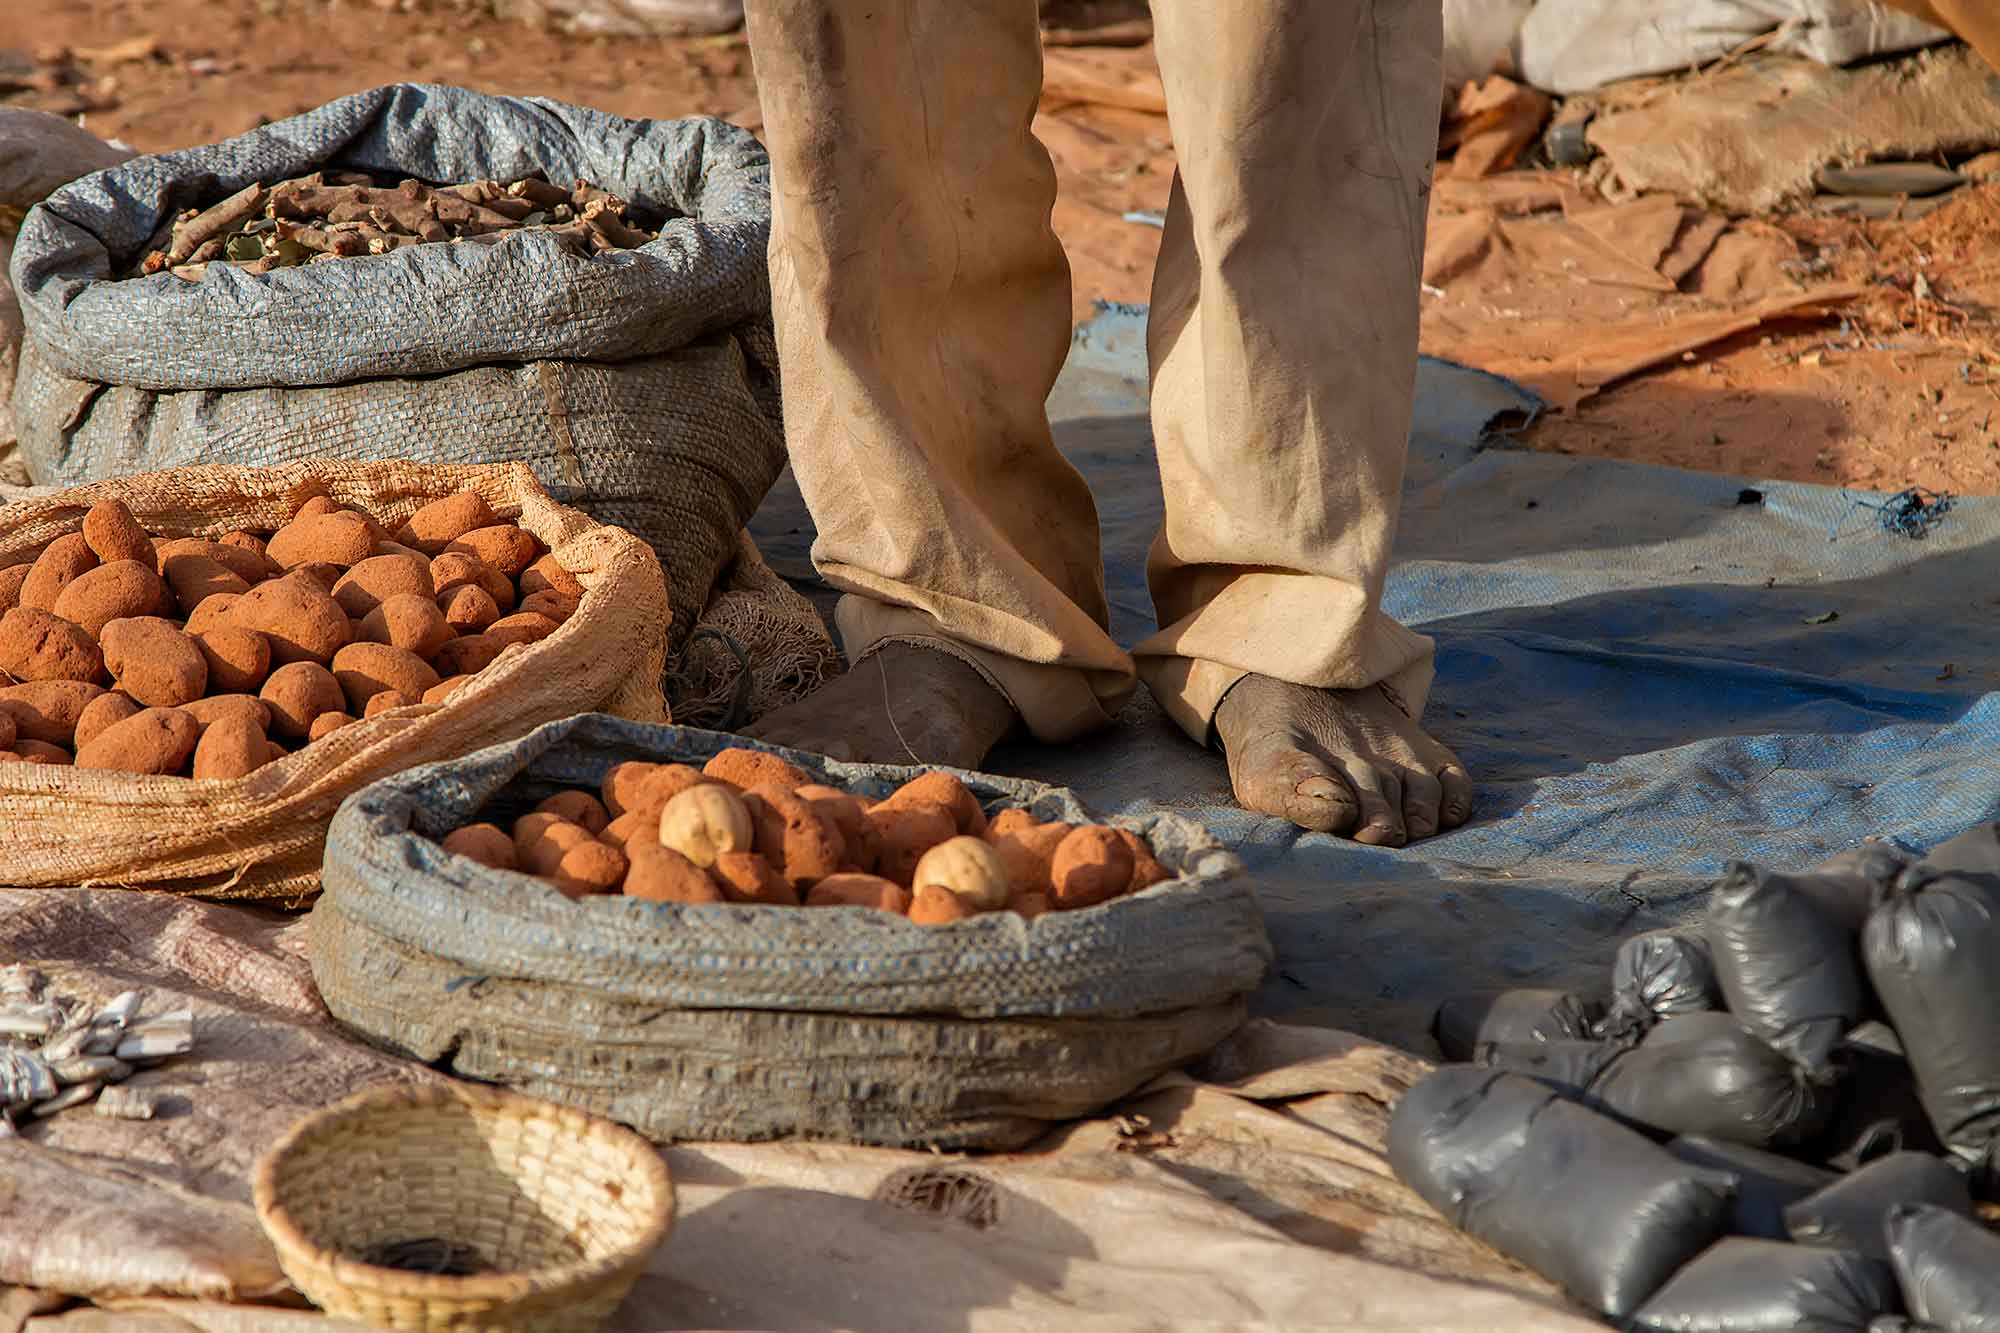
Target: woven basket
{"x": 565, "y": 1208}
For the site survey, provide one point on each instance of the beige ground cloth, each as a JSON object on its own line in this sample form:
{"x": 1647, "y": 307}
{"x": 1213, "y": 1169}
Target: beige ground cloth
{"x": 1251, "y": 1192}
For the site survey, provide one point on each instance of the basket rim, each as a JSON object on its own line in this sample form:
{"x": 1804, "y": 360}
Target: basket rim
{"x": 290, "y": 1239}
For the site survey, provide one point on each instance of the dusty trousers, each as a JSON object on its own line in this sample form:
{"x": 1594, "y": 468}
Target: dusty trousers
{"x": 1974, "y": 22}
{"x": 922, "y": 304}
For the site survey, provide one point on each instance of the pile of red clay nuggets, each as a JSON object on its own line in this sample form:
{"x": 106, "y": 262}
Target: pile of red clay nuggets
{"x": 130, "y": 651}
{"x": 750, "y": 828}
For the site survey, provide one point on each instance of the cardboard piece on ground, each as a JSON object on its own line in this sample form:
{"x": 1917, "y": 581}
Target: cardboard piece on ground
{"x": 1512, "y": 194}
{"x": 1752, "y": 138}
{"x": 1489, "y": 124}
{"x": 1642, "y": 230}
{"x": 1618, "y": 287}
{"x": 1615, "y": 246}
{"x": 89, "y": 1226}
{"x": 1567, "y": 377}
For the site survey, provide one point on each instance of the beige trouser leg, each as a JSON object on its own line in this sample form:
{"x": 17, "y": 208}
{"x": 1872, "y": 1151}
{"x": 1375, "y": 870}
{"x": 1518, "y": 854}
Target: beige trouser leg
{"x": 921, "y": 301}
{"x": 922, "y": 304}
{"x": 1283, "y": 338}
{"x": 1975, "y": 22}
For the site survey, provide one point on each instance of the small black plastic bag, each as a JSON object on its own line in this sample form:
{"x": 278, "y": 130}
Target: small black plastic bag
{"x": 1658, "y": 975}
{"x": 1705, "y": 1074}
{"x": 1933, "y": 953}
{"x": 1466, "y": 1020}
{"x": 1949, "y": 1267}
{"x": 1974, "y": 852}
{"x": 1877, "y": 1109}
{"x": 1851, "y": 1213}
{"x": 1581, "y": 1199}
{"x": 1849, "y": 885}
{"x": 1766, "y": 1286}
{"x": 1767, "y": 1182}
{"x": 1788, "y": 966}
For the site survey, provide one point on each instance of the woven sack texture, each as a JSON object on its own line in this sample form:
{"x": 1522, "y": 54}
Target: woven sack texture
{"x": 758, "y": 646}
{"x": 740, "y": 1022}
{"x": 640, "y": 386}
{"x": 261, "y": 836}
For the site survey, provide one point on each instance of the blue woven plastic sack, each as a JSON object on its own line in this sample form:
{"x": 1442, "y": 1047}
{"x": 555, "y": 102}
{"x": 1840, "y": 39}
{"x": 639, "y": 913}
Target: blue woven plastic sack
{"x": 744, "y": 1022}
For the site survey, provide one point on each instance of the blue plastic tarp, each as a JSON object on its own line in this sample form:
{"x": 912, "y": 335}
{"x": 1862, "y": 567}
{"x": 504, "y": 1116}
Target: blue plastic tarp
{"x": 1649, "y": 672}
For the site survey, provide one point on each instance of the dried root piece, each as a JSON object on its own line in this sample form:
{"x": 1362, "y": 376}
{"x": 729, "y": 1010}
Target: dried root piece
{"x": 216, "y": 221}
{"x": 603, "y": 219}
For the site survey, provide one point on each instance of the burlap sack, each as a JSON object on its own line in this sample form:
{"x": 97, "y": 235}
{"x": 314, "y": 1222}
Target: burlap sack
{"x": 758, "y": 646}
{"x": 261, "y": 836}
{"x": 747, "y": 1022}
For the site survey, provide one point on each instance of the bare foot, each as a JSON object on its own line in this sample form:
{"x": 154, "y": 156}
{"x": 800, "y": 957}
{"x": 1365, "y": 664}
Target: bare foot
{"x": 1339, "y": 761}
{"x": 903, "y": 705}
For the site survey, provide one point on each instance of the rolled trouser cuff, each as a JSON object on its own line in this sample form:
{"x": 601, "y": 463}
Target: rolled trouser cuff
{"x": 1190, "y": 690}
{"x": 1057, "y": 702}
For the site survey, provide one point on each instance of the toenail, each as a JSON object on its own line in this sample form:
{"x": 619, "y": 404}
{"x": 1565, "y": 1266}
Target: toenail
{"x": 1325, "y": 789}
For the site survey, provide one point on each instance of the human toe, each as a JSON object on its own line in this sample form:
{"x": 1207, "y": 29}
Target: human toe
{"x": 1456, "y": 805}
{"x": 1294, "y": 785}
{"x": 1423, "y": 799}
{"x": 1379, "y": 796}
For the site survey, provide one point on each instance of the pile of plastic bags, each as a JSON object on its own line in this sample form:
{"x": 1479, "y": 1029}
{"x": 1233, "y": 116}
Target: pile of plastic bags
{"x": 1777, "y": 1119}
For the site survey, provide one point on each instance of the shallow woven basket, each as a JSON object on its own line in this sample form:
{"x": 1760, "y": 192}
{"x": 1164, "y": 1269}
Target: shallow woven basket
{"x": 563, "y": 1207}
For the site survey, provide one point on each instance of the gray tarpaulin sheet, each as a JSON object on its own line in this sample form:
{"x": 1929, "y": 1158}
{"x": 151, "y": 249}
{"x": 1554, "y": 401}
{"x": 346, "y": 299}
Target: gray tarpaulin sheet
{"x": 1650, "y": 673}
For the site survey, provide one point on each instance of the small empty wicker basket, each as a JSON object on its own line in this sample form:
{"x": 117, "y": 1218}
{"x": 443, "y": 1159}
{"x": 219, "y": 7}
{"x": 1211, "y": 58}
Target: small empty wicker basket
{"x": 558, "y": 1210}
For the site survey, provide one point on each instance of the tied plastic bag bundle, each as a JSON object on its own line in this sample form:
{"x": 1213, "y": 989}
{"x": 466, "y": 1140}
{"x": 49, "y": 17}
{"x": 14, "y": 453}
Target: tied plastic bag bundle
{"x": 1706, "y": 1074}
{"x": 1764, "y": 1286}
{"x": 1463, "y": 1022}
{"x": 1948, "y": 1267}
{"x": 1849, "y": 885}
{"x": 1583, "y": 1200}
{"x": 1767, "y": 1182}
{"x": 1659, "y": 975}
{"x": 1696, "y": 1074}
{"x": 1974, "y": 852}
{"x": 1786, "y": 963}
{"x": 1878, "y": 1110}
{"x": 1931, "y": 950}
{"x": 1851, "y": 1213}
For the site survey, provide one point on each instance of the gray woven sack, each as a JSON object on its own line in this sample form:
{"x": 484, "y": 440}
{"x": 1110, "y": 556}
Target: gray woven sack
{"x": 640, "y": 386}
{"x": 740, "y": 1022}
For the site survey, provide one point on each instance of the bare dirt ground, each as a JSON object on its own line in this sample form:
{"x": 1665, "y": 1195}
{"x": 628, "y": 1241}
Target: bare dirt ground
{"x": 1900, "y": 388}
